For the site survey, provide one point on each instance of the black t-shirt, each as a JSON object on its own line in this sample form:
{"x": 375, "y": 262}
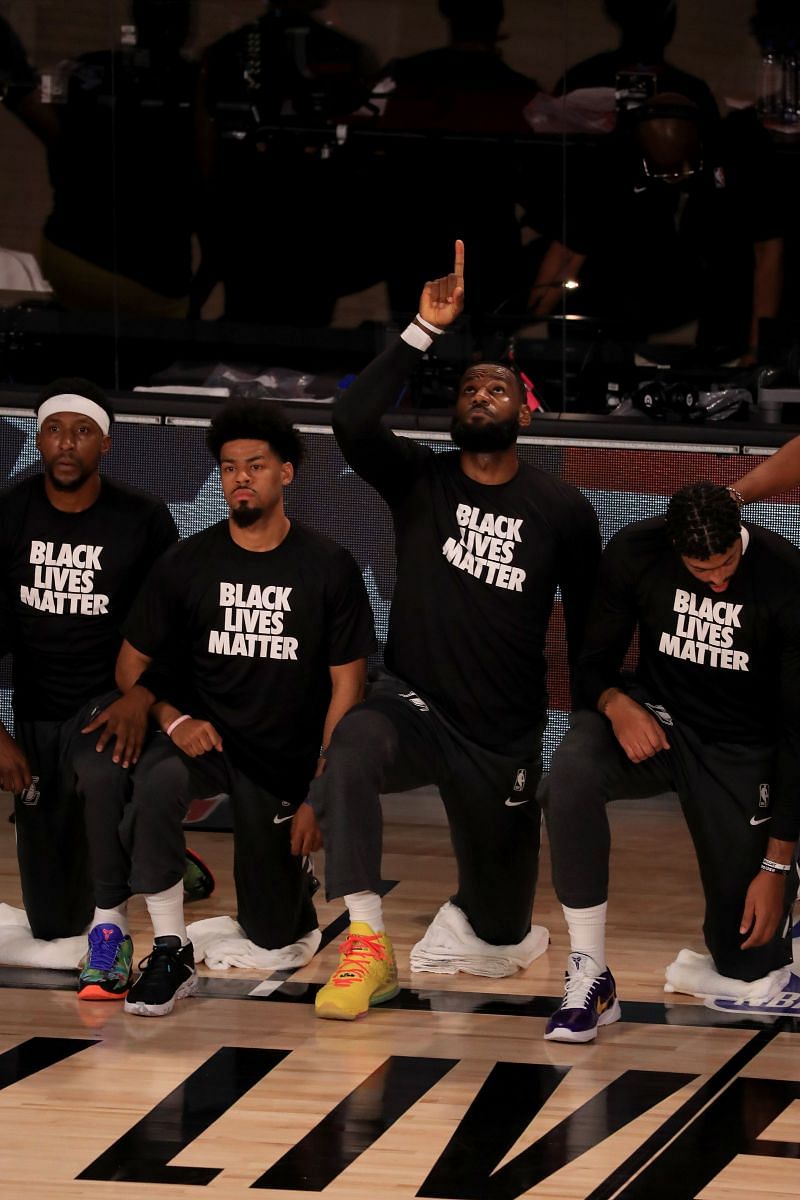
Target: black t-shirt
{"x": 260, "y": 631}
{"x": 477, "y": 566}
{"x": 68, "y": 582}
{"x": 725, "y": 664}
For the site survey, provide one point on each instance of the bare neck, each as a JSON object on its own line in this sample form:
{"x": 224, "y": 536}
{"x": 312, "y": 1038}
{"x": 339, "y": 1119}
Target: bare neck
{"x": 498, "y": 466}
{"x": 77, "y": 501}
{"x": 266, "y": 534}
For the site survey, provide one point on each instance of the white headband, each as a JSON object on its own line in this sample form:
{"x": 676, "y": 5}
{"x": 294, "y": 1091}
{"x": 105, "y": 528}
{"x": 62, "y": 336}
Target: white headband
{"x": 73, "y": 404}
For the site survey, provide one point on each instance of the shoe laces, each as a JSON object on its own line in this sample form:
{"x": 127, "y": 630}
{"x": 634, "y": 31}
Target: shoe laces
{"x": 103, "y": 954}
{"x": 160, "y": 961}
{"x": 579, "y": 987}
{"x": 358, "y": 950}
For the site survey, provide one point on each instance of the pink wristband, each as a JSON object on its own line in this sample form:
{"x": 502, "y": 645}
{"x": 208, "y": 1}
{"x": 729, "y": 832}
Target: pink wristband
{"x": 178, "y": 721}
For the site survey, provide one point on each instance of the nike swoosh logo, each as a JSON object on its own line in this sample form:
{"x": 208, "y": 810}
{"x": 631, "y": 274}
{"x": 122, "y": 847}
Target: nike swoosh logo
{"x": 515, "y": 803}
{"x": 280, "y": 820}
{"x": 760, "y": 821}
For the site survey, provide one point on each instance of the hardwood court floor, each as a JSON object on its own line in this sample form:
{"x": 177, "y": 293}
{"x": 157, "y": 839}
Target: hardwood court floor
{"x": 448, "y": 1092}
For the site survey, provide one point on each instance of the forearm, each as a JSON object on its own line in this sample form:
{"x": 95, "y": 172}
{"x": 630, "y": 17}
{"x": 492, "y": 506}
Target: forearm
{"x": 164, "y": 714}
{"x": 132, "y": 671}
{"x": 780, "y": 851}
{"x": 357, "y": 410}
{"x": 778, "y": 474}
{"x": 347, "y": 690}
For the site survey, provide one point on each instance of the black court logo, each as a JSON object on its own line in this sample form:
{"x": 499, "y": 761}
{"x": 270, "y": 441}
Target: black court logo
{"x": 522, "y": 775}
{"x": 763, "y": 795}
{"x": 714, "y": 1125}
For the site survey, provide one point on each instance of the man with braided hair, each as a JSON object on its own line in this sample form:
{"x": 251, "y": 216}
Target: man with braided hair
{"x": 712, "y": 712}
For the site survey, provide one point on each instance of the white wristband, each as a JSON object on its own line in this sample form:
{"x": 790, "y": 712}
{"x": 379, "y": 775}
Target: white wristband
{"x": 174, "y": 725}
{"x": 434, "y": 329}
{"x": 416, "y": 337}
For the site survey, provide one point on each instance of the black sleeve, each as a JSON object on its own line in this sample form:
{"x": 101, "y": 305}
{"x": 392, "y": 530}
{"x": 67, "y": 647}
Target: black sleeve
{"x": 611, "y": 624}
{"x": 382, "y": 459}
{"x": 785, "y": 823}
{"x": 156, "y": 615}
{"x": 351, "y": 629}
{"x": 579, "y": 559}
{"x": 161, "y": 534}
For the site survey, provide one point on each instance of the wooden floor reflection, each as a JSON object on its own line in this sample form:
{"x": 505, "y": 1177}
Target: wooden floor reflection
{"x": 449, "y": 1092}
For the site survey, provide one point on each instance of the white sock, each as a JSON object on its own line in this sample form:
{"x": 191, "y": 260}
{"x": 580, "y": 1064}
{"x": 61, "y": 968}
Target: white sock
{"x": 366, "y": 907}
{"x": 113, "y": 916}
{"x": 587, "y": 932}
{"x": 166, "y": 912}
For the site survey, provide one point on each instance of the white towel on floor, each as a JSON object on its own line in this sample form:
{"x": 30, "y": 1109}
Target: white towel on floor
{"x": 696, "y": 975}
{"x": 451, "y": 945}
{"x": 19, "y": 948}
{"x": 221, "y": 942}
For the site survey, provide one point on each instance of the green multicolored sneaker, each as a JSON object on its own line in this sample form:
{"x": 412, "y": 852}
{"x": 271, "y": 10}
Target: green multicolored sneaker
{"x": 106, "y": 974}
{"x": 198, "y": 881}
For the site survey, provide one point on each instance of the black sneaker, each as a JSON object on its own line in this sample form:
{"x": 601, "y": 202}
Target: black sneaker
{"x": 167, "y": 975}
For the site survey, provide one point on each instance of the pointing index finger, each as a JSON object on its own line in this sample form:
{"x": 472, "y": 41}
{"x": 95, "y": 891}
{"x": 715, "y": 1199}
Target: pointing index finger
{"x": 458, "y": 267}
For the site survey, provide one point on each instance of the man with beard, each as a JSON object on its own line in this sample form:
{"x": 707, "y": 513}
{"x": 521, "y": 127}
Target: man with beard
{"x": 75, "y": 548}
{"x": 482, "y": 542}
{"x": 274, "y": 624}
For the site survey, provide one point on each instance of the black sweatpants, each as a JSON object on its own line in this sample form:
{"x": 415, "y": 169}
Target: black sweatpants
{"x": 273, "y": 892}
{"x": 52, "y": 851}
{"x": 395, "y": 741}
{"x": 721, "y": 790}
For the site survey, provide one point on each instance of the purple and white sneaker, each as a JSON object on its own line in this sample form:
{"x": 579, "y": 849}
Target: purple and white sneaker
{"x": 589, "y": 1000}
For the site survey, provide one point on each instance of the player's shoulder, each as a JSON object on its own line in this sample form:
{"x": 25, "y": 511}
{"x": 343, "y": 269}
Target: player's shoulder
{"x": 540, "y": 484}
{"x": 774, "y": 549}
{"x": 208, "y": 543}
{"x": 640, "y": 541}
{"x": 124, "y": 498}
{"x": 19, "y": 493}
{"x": 314, "y": 544}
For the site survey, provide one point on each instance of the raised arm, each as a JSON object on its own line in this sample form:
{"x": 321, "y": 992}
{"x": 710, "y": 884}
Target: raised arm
{"x": 371, "y": 449}
{"x": 779, "y": 473}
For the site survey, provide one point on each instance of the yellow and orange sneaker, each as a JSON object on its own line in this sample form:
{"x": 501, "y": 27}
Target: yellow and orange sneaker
{"x": 366, "y": 975}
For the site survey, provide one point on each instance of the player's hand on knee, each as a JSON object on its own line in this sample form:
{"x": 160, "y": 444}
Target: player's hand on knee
{"x": 195, "y": 737}
{"x": 15, "y": 771}
{"x": 124, "y": 722}
{"x": 763, "y": 909}
{"x": 638, "y": 732}
{"x": 306, "y": 837}
{"x": 442, "y": 300}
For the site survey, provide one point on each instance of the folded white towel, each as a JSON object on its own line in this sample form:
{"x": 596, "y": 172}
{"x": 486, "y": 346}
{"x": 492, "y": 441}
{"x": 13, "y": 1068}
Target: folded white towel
{"x": 696, "y": 975}
{"x": 451, "y": 945}
{"x": 19, "y": 948}
{"x": 221, "y": 943}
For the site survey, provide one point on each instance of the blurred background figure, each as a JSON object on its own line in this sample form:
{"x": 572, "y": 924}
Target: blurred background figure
{"x": 470, "y": 104}
{"x": 279, "y": 205}
{"x": 677, "y": 219}
{"x": 637, "y": 69}
{"x": 117, "y": 126}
